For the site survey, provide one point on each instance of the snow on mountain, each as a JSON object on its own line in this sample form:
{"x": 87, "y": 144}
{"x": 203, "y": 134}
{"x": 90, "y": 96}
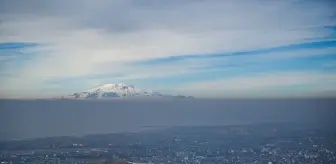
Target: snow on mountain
{"x": 117, "y": 91}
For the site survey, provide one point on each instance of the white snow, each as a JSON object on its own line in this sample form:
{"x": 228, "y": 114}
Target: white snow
{"x": 113, "y": 91}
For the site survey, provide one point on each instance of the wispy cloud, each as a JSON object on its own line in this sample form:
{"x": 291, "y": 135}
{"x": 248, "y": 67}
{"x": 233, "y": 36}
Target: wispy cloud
{"x": 287, "y": 51}
{"x": 266, "y": 85}
{"x": 91, "y": 42}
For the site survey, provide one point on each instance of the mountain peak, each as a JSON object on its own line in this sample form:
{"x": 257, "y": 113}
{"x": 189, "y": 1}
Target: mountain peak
{"x": 119, "y": 90}
{"x": 109, "y": 87}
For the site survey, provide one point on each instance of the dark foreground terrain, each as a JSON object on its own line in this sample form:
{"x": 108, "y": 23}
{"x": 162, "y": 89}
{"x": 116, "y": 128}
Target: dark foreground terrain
{"x": 189, "y": 131}
{"x": 253, "y": 143}
{"x": 46, "y": 118}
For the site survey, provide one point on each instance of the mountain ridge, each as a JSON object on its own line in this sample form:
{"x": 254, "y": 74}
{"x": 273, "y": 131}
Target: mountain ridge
{"x": 120, "y": 91}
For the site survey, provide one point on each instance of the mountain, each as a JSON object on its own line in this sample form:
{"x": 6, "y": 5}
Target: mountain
{"x": 117, "y": 91}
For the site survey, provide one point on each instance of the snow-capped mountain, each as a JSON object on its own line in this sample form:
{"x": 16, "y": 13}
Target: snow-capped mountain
{"x": 116, "y": 91}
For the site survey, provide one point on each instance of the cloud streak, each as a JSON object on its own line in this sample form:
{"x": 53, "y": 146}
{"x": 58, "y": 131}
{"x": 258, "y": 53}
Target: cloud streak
{"x": 271, "y": 85}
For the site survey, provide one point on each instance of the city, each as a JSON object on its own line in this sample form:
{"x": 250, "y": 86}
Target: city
{"x": 268, "y": 143}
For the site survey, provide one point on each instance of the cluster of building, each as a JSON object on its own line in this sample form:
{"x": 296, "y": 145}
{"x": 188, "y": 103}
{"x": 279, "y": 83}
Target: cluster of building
{"x": 187, "y": 148}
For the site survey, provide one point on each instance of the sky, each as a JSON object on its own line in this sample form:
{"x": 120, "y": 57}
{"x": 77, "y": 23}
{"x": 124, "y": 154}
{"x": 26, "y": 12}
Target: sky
{"x": 202, "y": 48}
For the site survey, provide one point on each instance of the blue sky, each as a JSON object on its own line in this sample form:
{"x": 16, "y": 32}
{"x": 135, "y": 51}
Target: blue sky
{"x": 233, "y": 48}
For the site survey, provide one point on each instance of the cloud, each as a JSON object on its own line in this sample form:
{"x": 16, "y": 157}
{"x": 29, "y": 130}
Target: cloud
{"x": 284, "y": 52}
{"x": 83, "y": 38}
{"x": 266, "y": 85}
